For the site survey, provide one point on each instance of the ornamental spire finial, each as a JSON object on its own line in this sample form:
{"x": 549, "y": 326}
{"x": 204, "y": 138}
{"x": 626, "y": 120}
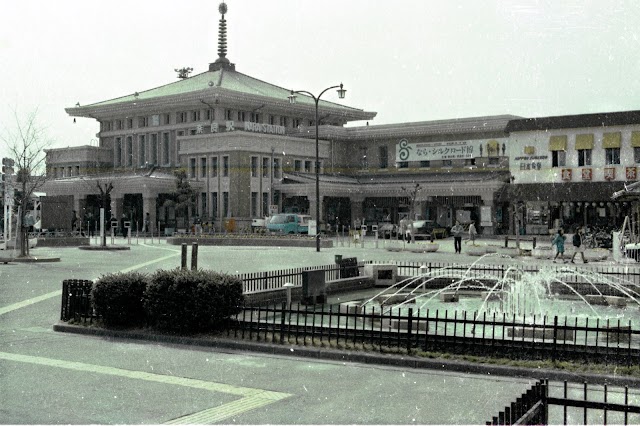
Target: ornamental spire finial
{"x": 222, "y": 62}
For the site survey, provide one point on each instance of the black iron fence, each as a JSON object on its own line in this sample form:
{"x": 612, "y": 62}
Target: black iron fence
{"x": 546, "y": 403}
{"x": 273, "y": 280}
{"x": 615, "y": 341}
{"x": 412, "y": 330}
{"x": 76, "y": 301}
{"x": 625, "y": 275}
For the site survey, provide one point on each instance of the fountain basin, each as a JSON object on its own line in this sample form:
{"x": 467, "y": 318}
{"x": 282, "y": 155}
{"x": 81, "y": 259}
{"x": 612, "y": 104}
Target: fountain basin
{"x": 542, "y": 252}
{"x": 540, "y": 333}
{"x": 448, "y": 297}
{"x": 403, "y": 325}
{"x": 597, "y": 299}
{"x": 617, "y": 334}
{"x": 476, "y": 250}
{"x": 509, "y": 251}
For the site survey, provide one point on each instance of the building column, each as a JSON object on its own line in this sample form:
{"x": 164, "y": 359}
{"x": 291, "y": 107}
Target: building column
{"x": 117, "y": 207}
{"x": 487, "y": 200}
{"x": 357, "y": 212}
{"x": 312, "y": 208}
{"x": 76, "y": 204}
{"x": 149, "y": 206}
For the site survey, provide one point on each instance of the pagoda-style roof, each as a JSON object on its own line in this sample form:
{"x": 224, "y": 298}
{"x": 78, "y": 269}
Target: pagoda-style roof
{"x": 218, "y": 85}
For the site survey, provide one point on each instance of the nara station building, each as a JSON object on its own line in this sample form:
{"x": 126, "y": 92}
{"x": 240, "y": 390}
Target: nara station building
{"x": 247, "y": 151}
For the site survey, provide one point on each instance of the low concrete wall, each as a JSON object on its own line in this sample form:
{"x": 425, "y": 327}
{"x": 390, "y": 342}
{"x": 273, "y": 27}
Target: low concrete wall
{"x": 63, "y": 241}
{"x": 280, "y": 295}
{"x": 249, "y": 241}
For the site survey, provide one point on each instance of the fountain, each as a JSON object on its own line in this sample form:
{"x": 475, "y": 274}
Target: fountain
{"x": 514, "y": 293}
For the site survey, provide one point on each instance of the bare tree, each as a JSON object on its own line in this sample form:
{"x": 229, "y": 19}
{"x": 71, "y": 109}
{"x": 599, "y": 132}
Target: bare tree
{"x": 26, "y": 141}
{"x": 104, "y": 188}
{"x": 412, "y": 194}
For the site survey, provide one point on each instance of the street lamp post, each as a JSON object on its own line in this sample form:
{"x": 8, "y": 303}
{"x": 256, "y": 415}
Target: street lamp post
{"x": 316, "y": 99}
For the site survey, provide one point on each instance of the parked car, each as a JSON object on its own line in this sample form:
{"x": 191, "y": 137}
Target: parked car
{"x": 426, "y": 230}
{"x": 289, "y": 223}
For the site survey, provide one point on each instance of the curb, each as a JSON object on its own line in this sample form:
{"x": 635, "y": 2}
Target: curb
{"x": 357, "y": 357}
{"x": 107, "y": 248}
{"x": 31, "y": 259}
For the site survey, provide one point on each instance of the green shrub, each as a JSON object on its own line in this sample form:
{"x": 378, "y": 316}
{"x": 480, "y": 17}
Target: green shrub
{"x": 117, "y": 298}
{"x": 191, "y": 301}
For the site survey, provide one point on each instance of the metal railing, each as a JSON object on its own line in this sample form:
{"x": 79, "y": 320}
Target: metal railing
{"x": 544, "y": 403}
{"x": 410, "y": 330}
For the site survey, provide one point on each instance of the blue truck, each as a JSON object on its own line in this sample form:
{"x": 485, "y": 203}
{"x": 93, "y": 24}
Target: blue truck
{"x": 289, "y": 223}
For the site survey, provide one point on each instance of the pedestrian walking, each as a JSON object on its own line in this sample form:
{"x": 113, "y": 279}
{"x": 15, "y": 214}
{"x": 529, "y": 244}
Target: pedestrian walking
{"x": 558, "y": 241}
{"x": 74, "y": 220}
{"x": 457, "y": 231}
{"x": 147, "y": 223}
{"x": 403, "y": 228}
{"x": 578, "y": 246}
{"x": 472, "y": 233}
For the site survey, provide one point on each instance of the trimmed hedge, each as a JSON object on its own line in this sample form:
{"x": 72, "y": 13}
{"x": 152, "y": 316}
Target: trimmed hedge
{"x": 191, "y": 301}
{"x": 118, "y": 298}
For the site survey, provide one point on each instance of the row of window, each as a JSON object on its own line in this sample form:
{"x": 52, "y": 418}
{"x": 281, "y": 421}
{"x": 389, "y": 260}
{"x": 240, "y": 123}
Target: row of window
{"x": 67, "y": 171}
{"x": 211, "y": 164}
{"x": 195, "y": 116}
{"x": 256, "y": 171}
{"x": 611, "y": 157}
{"x": 148, "y": 150}
{"x": 210, "y": 210}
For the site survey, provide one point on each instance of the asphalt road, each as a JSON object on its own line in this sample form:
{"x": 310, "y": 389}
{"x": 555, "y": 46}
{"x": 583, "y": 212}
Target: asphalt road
{"x": 56, "y": 378}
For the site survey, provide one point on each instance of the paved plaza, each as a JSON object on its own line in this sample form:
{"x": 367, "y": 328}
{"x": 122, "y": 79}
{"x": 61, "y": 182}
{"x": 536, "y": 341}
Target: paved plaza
{"x": 58, "y": 378}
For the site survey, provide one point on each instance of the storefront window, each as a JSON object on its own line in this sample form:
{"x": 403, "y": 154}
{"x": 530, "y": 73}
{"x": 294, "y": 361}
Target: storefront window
{"x": 537, "y": 217}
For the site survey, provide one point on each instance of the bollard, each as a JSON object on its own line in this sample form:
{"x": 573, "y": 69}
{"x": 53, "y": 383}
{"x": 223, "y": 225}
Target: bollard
{"x": 376, "y": 238}
{"x": 534, "y": 242}
{"x": 194, "y": 256}
{"x": 183, "y": 259}
{"x": 288, "y": 287}
{"x": 506, "y": 241}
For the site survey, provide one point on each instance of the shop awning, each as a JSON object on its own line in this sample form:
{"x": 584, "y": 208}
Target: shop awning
{"x": 611, "y": 140}
{"x": 584, "y": 141}
{"x": 635, "y": 139}
{"x": 558, "y": 143}
{"x": 577, "y": 191}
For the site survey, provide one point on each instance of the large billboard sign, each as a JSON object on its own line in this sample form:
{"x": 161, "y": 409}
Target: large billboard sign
{"x": 453, "y": 150}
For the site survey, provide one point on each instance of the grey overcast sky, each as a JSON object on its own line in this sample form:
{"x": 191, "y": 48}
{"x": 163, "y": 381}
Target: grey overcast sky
{"x": 408, "y": 60}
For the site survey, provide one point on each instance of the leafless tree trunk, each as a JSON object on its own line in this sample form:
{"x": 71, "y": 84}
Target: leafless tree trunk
{"x": 26, "y": 141}
{"x": 412, "y": 193}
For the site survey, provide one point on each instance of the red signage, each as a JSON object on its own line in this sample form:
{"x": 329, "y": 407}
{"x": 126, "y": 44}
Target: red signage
{"x": 566, "y": 174}
{"x": 609, "y": 173}
{"x": 631, "y": 173}
{"x": 586, "y": 174}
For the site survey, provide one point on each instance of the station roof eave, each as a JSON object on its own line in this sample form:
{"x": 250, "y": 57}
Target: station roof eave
{"x": 562, "y": 192}
{"x": 436, "y": 184}
{"x": 149, "y": 184}
{"x": 223, "y": 85}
